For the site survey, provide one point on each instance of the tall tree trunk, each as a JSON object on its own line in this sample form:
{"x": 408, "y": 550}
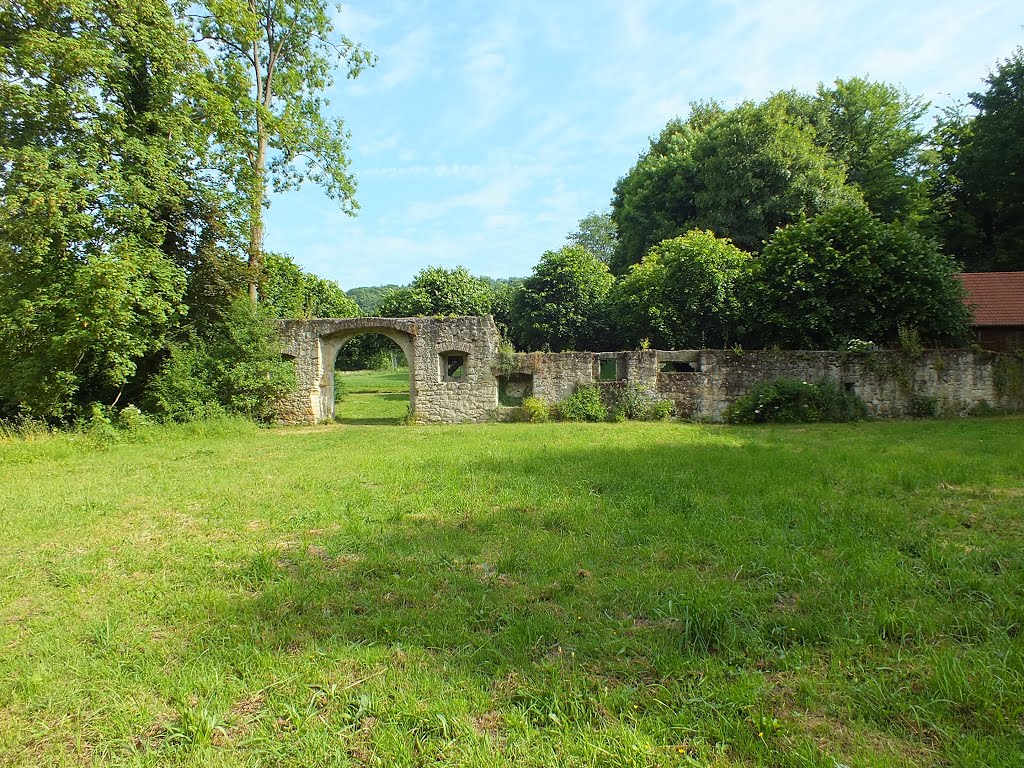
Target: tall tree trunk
{"x": 256, "y": 212}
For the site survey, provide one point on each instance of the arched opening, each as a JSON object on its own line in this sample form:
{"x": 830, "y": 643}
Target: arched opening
{"x": 367, "y": 377}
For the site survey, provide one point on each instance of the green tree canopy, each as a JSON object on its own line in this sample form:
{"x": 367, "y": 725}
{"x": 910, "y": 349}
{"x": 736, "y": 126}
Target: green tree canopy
{"x": 682, "y": 294}
{"x": 561, "y": 305}
{"x": 97, "y": 144}
{"x": 272, "y": 64}
{"x": 741, "y": 173}
{"x": 979, "y": 190}
{"x": 439, "y": 291}
{"x": 744, "y": 172}
{"x": 874, "y": 129}
{"x": 288, "y": 291}
{"x": 596, "y": 233}
{"x": 845, "y": 274}
{"x": 369, "y": 297}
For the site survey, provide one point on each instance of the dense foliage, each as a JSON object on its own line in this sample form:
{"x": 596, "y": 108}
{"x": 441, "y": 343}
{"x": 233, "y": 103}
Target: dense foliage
{"x": 682, "y": 295}
{"x": 289, "y": 291}
{"x": 438, "y": 291}
{"x": 789, "y": 401}
{"x": 271, "y": 65}
{"x": 562, "y": 304}
{"x": 122, "y": 206}
{"x": 369, "y": 297}
{"x": 846, "y": 275}
{"x": 94, "y": 190}
{"x": 235, "y": 367}
{"x": 744, "y": 172}
{"x": 596, "y": 233}
{"x": 978, "y": 189}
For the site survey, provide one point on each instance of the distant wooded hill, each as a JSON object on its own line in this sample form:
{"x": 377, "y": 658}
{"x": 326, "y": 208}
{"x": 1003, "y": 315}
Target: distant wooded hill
{"x": 369, "y": 297}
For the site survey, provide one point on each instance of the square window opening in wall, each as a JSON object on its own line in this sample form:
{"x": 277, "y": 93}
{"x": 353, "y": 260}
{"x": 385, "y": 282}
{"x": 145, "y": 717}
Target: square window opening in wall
{"x": 608, "y": 370}
{"x": 454, "y": 365}
{"x": 678, "y": 366}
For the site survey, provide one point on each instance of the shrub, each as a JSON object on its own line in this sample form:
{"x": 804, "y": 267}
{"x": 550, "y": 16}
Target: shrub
{"x": 236, "y": 370}
{"x": 632, "y": 403}
{"x": 791, "y": 401}
{"x": 659, "y": 410}
{"x": 924, "y": 406}
{"x": 535, "y": 410}
{"x": 627, "y": 403}
{"x": 583, "y": 405}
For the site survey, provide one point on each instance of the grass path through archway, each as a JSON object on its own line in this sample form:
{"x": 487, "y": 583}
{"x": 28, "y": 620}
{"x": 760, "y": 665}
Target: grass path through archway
{"x": 371, "y": 397}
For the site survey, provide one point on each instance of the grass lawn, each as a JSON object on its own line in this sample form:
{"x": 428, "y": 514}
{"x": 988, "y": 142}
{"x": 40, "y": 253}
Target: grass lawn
{"x": 654, "y": 594}
{"x": 371, "y": 397}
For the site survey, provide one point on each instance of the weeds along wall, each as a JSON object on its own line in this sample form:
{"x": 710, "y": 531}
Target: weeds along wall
{"x": 457, "y": 373}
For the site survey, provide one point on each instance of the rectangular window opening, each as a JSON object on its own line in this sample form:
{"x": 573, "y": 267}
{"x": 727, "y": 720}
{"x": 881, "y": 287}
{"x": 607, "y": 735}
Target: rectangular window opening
{"x": 455, "y": 366}
{"x": 609, "y": 370}
{"x": 678, "y": 366}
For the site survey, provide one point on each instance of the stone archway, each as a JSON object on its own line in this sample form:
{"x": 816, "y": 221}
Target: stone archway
{"x": 430, "y": 345}
{"x": 331, "y": 344}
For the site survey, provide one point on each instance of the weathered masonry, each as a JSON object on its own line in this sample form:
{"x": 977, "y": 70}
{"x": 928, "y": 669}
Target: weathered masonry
{"x": 456, "y": 374}
{"x": 450, "y": 359}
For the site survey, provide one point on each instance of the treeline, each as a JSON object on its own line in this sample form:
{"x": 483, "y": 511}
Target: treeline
{"x": 803, "y": 221}
{"x": 138, "y": 141}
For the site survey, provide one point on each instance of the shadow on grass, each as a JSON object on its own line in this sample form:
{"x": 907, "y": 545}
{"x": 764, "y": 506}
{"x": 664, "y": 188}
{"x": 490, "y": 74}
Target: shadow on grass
{"x": 667, "y": 565}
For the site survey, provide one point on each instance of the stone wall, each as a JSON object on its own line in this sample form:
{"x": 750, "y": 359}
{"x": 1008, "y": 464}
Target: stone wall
{"x": 700, "y": 383}
{"x": 887, "y": 381}
{"x": 434, "y": 397}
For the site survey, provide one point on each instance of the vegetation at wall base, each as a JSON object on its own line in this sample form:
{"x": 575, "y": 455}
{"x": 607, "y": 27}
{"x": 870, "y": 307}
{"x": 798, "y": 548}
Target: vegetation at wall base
{"x": 585, "y": 404}
{"x": 236, "y": 368}
{"x": 788, "y": 401}
{"x": 677, "y": 594}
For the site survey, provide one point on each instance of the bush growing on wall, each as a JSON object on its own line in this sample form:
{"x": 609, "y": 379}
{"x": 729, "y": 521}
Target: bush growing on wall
{"x": 790, "y": 401}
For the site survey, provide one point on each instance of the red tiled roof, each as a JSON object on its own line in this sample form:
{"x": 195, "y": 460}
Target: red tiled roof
{"x": 997, "y": 298}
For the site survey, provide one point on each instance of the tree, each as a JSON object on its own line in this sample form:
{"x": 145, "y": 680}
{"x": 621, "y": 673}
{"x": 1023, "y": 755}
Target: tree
{"x": 845, "y": 274}
{"x": 682, "y": 294}
{"x": 369, "y": 297}
{"x": 561, "y": 305}
{"x": 97, "y": 146}
{"x": 439, "y": 291}
{"x": 874, "y": 130}
{"x": 272, "y": 63}
{"x": 232, "y": 367}
{"x": 288, "y": 291}
{"x": 760, "y": 168}
{"x": 979, "y": 190}
{"x": 741, "y": 173}
{"x": 596, "y": 233}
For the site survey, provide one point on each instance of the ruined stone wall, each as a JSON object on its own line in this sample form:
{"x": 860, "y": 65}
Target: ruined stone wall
{"x": 887, "y": 381}
{"x": 700, "y": 383}
{"x": 434, "y": 397}
{"x": 474, "y": 397}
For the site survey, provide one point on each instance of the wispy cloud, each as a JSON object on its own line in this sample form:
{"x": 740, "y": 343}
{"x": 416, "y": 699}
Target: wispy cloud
{"x": 488, "y": 130}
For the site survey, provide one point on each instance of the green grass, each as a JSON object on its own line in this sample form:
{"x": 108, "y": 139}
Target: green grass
{"x": 371, "y": 397}
{"x": 651, "y": 594}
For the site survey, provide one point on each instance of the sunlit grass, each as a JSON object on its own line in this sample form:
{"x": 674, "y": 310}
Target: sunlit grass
{"x": 371, "y": 397}
{"x": 515, "y": 594}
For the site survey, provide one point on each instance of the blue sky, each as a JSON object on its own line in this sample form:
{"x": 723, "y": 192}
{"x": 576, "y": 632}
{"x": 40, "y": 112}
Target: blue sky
{"x": 488, "y": 129}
